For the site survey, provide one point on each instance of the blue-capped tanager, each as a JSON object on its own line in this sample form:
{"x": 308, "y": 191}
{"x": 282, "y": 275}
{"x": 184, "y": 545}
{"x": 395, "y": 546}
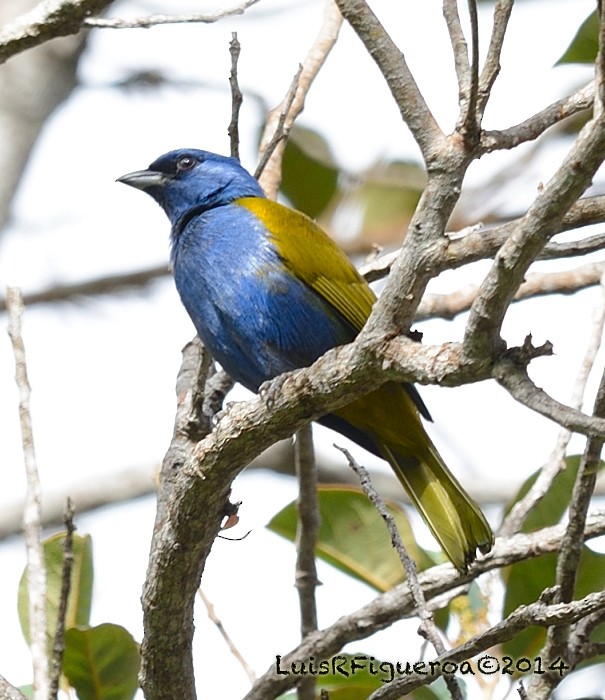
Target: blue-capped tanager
{"x": 268, "y": 292}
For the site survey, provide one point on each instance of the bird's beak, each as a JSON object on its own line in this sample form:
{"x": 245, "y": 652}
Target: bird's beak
{"x": 144, "y": 179}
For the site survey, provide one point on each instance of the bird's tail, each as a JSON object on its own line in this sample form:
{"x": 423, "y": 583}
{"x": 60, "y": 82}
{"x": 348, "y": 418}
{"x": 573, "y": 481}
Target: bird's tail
{"x": 455, "y": 520}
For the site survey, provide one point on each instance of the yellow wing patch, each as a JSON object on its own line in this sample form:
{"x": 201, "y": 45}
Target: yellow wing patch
{"x": 312, "y": 256}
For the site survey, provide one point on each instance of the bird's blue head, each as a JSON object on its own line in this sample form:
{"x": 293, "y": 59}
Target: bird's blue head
{"x": 188, "y": 181}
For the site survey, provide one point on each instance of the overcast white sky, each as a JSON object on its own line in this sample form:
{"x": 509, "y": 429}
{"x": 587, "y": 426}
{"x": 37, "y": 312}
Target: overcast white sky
{"x": 103, "y": 370}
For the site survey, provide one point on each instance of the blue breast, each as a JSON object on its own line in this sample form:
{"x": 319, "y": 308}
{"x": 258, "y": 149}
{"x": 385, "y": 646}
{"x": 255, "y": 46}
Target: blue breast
{"x": 257, "y": 319}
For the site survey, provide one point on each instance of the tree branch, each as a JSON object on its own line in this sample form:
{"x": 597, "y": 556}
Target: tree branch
{"x": 307, "y": 529}
{"x": 47, "y": 20}
{"x": 36, "y": 568}
{"x": 537, "y": 124}
{"x": 156, "y": 20}
{"x": 491, "y": 69}
{"x": 8, "y": 691}
{"x": 514, "y": 378}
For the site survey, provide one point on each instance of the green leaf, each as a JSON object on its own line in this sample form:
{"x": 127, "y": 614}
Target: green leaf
{"x": 585, "y": 44}
{"x": 27, "y": 690}
{"x": 353, "y": 537}
{"x": 102, "y": 663}
{"x": 80, "y": 596}
{"x": 309, "y": 174}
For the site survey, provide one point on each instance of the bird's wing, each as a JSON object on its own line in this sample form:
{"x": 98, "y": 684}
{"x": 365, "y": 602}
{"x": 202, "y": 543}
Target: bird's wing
{"x": 312, "y": 256}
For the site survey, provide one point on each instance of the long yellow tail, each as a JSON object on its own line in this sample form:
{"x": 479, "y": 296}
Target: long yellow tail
{"x": 455, "y": 520}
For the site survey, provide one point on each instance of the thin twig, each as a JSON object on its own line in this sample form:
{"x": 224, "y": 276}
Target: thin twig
{"x": 459, "y": 45}
{"x": 306, "y": 540}
{"x": 281, "y": 131}
{"x": 56, "y": 663}
{"x": 491, "y": 68}
{"x": 225, "y": 635}
{"x": 236, "y": 96}
{"x": 471, "y": 118}
{"x": 36, "y": 571}
{"x": 155, "y": 20}
{"x": 314, "y": 60}
{"x": 428, "y": 629}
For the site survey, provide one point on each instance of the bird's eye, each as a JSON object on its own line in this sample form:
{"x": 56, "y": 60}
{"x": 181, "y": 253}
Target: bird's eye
{"x": 185, "y": 163}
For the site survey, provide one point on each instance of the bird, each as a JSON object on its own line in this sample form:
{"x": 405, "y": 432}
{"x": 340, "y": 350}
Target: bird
{"x": 268, "y": 292}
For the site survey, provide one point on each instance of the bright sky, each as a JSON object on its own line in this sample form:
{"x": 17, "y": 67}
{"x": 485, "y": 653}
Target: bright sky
{"x": 103, "y": 370}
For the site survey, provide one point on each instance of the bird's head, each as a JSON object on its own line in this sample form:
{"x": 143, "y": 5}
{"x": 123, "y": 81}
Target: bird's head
{"x": 188, "y": 181}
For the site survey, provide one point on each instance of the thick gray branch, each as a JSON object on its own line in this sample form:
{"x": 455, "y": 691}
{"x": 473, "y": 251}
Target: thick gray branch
{"x": 47, "y": 20}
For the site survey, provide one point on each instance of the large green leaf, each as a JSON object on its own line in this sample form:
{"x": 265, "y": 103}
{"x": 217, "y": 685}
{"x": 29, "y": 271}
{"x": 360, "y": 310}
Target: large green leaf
{"x": 309, "y": 174}
{"x": 354, "y": 538}
{"x": 585, "y": 44}
{"x": 80, "y": 596}
{"x": 101, "y": 663}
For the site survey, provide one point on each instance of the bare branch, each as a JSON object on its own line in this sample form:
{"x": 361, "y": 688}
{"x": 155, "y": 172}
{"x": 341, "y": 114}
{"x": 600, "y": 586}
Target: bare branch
{"x": 8, "y": 691}
{"x": 306, "y": 580}
{"x": 515, "y": 379}
{"x": 269, "y": 184}
{"x": 155, "y": 20}
{"x": 538, "y": 123}
{"x": 175, "y": 562}
{"x": 46, "y": 21}
{"x": 502, "y": 11}
{"x": 110, "y": 284}
{"x": 236, "y": 96}
{"x": 36, "y": 569}
{"x": 568, "y": 561}
{"x": 459, "y": 46}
